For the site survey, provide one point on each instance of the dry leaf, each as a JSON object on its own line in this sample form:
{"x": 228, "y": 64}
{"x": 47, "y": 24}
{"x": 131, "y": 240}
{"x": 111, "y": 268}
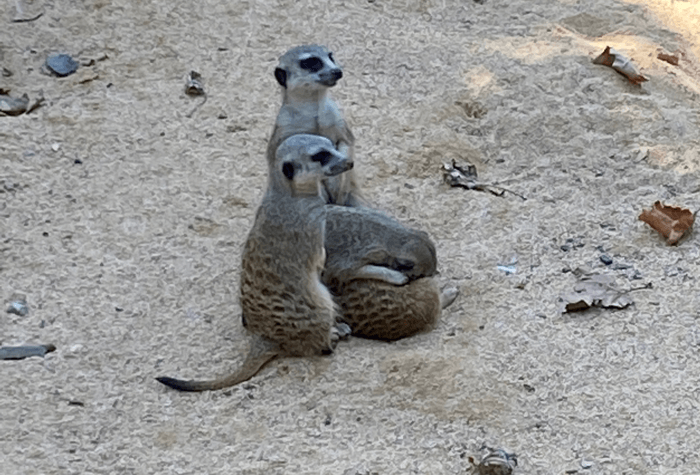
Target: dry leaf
{"x": 595, "y": 290}
{"x": 621, "y": 64}
{"x": 464, "y": 176}
{"x": 494, "y": 462}
{"x": 669, "y": 58}
{"x": 673, "y": 223}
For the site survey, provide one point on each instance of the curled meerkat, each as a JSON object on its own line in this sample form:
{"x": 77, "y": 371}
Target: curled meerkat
{"x": 380, "y": 273}
{"x": 286, "y": 306}
{"x": 306, "y": 73}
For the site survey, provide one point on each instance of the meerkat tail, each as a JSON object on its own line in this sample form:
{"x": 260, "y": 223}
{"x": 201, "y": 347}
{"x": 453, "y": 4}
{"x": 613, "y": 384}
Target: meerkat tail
{"x": 448, "y": 296}
{"x": 260, "y": 353}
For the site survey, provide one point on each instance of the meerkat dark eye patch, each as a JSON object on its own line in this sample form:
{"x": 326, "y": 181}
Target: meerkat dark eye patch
{"x": 281, "y": 76}
{"x": 288, "y": 170}
{"x": 312, "y": 64}
{"x": 322, "y": 157}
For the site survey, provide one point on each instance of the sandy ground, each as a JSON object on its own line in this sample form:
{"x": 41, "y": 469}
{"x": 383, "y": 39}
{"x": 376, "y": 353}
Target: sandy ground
{"x": 129, "y": 257}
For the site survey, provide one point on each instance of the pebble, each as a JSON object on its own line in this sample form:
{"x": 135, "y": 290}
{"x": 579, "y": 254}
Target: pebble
{"x": 18, "y": 307}
{"x": 61, "y": 65}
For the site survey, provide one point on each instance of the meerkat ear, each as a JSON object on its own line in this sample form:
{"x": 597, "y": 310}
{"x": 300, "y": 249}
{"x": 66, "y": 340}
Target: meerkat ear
{"x": 281, "y": 76}
{"x": 288, "y": 170}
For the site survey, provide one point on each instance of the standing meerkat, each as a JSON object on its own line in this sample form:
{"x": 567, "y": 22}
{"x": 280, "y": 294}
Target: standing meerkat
{"x": 306, "y": 73}
{"x": 286, "y": 306}
{"x": 380, "y": 273}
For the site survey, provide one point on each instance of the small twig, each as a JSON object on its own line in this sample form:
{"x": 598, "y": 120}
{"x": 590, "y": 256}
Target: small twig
{"x": 20, "y": 12}
{"x": 27, "y": 20}
{"x": 643, "y": 287}
{"x": 504, "y": 190}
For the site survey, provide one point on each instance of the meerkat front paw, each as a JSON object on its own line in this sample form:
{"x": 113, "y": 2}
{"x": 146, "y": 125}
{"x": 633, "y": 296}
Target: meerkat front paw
{"x": 341, "y": 331}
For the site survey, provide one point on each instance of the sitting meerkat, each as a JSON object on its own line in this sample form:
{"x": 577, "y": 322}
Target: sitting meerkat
{"x": 380, "y": 274}
{"x": 287, "y": 308}
{"x": 305, "y": 74}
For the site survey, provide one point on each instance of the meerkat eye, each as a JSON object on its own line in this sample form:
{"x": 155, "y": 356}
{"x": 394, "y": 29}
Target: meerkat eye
{"x": 322, "y": 157}
{"x": 312, "y": 64}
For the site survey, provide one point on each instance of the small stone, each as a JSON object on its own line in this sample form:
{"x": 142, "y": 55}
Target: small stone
{"x": 586, "y": 464}
{"x": 13, "y": 106}
{"x": 605, "y": 259}
{"x": 61, "y": 65}
{"x": 55, "y": 147}
{"x": 18, "y": 307}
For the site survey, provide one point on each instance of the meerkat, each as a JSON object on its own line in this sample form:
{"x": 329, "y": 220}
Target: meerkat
{"x": 287, "y": 308}
{"x": 305, "y": 74}
{"x": 380, "y": 274}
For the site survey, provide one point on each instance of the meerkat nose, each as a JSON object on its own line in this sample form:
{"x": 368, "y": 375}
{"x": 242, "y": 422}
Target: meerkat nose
{"x": 337, "y": 74}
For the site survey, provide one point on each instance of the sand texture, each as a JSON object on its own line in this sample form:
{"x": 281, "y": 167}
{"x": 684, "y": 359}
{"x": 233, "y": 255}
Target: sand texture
{"x": 122, "y": 222}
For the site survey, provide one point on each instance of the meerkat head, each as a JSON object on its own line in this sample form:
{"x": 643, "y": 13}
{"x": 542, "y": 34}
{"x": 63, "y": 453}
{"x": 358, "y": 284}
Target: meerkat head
{"x": 304, "y": 160}
{"x": 308, "y": 67}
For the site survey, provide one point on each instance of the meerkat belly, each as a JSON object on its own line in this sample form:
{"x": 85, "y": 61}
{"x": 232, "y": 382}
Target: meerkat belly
{"x": 286, "y": 304}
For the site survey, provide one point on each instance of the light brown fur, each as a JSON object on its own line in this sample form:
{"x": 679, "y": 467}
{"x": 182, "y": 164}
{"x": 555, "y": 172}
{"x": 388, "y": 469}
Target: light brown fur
{"x": 380, "y": 273}
{"x": 285, "y": 305}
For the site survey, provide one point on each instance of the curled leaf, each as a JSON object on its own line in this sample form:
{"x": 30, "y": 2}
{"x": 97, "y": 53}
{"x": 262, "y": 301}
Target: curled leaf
{"x": 621, "y": 64}
{"x": 672, "y": 222}
{"x": 669, "y": 58}
{"x": 595, "y": 290}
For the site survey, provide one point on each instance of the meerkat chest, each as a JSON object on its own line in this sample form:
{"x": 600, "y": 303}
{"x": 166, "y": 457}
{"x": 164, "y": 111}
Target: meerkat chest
{"x": 312, "y": 117}
{"x": 329, "y": 119}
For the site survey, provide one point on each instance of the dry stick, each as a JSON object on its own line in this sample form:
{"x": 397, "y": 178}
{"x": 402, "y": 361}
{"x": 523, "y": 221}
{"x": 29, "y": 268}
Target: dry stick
{"x": 20, "y": 12}
{"x": 503, "y": 190}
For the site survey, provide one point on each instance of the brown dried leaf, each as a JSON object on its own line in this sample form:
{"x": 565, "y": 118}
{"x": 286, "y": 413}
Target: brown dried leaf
{"x": 669, "y": 58}
{"x": 595, "y": 290}
{"x": 673, "y": 223}
{"x": 621, "y": 64}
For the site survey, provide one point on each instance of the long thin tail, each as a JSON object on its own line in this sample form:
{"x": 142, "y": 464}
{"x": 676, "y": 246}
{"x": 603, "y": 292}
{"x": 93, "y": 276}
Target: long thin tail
{"x": 260, "y": 353}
